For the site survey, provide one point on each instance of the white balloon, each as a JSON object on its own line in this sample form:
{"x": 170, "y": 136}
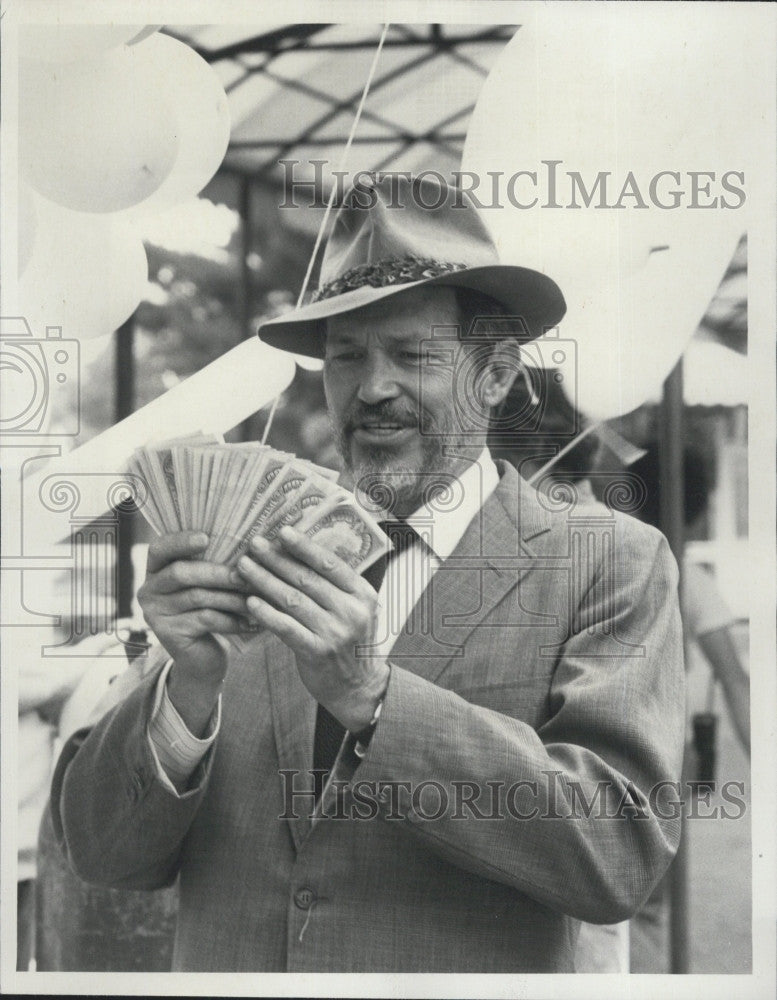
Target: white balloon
{"x": 87, "y": 273}
{"x": 616, "y": 94}
{"x": 27, "y": 225}
{"x": 200, "y": 104}
{"x": 97, "y": 135}
{"x": 64, "y": 43}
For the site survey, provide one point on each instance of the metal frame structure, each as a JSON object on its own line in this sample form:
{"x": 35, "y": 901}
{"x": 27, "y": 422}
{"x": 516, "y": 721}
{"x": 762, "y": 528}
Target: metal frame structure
{"x": 422, "y": 44}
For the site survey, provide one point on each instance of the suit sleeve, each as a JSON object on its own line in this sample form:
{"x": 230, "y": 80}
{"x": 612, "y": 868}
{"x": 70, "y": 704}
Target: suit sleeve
{"x": 118, "y": 824}
{"x": 587, "y": 815}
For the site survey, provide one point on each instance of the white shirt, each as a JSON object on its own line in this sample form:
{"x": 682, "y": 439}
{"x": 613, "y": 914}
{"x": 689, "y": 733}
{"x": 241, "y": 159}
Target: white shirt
{"x": 441, "y": 524}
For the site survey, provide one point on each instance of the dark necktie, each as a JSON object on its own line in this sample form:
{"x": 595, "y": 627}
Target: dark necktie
{"x": 329, "y": 732}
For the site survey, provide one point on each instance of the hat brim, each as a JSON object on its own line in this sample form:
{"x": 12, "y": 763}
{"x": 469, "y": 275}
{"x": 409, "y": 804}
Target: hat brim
{"x": 530, "y": 295}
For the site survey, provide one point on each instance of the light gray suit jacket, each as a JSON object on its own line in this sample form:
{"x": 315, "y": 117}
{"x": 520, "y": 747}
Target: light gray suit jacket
{"x": 536, "y": 693}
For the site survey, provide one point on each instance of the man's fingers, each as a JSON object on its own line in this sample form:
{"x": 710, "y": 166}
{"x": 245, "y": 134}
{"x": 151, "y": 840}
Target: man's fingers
{"x": 205, "y": 621}
{"x": 200, "y": 597}
{"x": 288, "y": 629}
{"x": 274, "y": 590}
{"x": 297, "y": 548}
{"x": 296, "y": 574}
{"x": 177, "y": 545}
{"x": 182, "y": 575}
{"x": 323, "y": 561}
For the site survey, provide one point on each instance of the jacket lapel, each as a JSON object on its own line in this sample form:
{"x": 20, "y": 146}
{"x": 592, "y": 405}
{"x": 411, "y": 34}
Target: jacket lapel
{"x": 493, "y": 555}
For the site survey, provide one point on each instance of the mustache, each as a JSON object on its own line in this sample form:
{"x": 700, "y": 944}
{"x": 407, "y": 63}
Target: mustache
{"x": 386, "y": 412}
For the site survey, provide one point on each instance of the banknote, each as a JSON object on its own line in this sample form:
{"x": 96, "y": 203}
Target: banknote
{"x": 138, "y": 467}
{"x": 312, "y": 494}
{"x": 155, "y": 466}
{"x": 342, "y": 527}
{"x": 233, "y": 492}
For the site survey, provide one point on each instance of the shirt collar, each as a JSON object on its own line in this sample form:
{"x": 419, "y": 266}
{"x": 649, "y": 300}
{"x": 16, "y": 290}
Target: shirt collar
{"x": 448, "y": 522}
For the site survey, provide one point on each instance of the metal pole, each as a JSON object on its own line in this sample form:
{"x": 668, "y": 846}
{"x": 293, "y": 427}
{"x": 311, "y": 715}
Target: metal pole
{"x": 672, "y": 507}
{"x": 124, "y": 406}
{"x": 245, "y": 297}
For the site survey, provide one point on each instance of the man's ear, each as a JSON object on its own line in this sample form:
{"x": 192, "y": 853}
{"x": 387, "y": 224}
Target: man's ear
{"x": 504, "y": 366}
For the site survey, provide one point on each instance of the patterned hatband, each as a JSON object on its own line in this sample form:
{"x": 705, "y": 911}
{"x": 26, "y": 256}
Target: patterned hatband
{"x": 392, "y": 271}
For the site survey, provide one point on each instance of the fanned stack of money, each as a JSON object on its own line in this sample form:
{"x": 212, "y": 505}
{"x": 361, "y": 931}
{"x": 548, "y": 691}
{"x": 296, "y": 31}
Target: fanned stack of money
{"x": 233, "y": 492}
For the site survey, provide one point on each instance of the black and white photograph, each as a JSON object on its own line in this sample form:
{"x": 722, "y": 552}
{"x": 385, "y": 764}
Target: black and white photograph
{"x": 387, "y": 434}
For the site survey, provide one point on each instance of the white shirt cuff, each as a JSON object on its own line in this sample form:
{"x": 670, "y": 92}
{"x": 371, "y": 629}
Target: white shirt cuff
{"x": 175, "y": 750}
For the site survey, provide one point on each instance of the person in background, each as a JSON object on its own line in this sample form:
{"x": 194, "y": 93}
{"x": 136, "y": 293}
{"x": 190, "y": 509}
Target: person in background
{"x": 535, "y": 423}
{"x": 707, "y": 623}
{"x": 707, "y": 619}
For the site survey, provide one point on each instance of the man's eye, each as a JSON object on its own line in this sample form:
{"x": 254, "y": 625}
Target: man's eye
{"x": 344, "y": 356}
{"x": 413, "y": 356}
{"x": 442, "y": 357}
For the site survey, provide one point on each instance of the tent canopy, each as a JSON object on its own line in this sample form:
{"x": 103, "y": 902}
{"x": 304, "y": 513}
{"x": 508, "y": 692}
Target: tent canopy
{"x": 294, "y": 90}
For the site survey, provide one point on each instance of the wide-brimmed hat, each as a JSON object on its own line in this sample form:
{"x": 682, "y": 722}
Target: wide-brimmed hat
{"x": 393, "y": 233}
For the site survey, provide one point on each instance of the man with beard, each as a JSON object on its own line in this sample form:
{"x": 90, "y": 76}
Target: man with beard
{"x": 489, "y": 713}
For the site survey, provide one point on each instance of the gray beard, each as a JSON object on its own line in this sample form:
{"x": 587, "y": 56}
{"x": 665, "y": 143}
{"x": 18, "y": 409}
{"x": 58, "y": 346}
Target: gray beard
{"x": 401, "y": 489}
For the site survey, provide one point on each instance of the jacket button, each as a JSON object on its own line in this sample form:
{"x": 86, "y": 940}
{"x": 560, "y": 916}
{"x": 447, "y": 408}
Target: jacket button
{"x": 304, "y": 898}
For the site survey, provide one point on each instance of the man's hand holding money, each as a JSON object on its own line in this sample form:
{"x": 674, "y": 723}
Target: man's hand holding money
{"x": 323, "y": 610}
{"x": 185, "y": 600}
{"x": 213, "y": 504}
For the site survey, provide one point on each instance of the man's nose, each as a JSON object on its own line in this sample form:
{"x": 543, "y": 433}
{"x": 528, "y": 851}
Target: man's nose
{"x": 378, "y": 381}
